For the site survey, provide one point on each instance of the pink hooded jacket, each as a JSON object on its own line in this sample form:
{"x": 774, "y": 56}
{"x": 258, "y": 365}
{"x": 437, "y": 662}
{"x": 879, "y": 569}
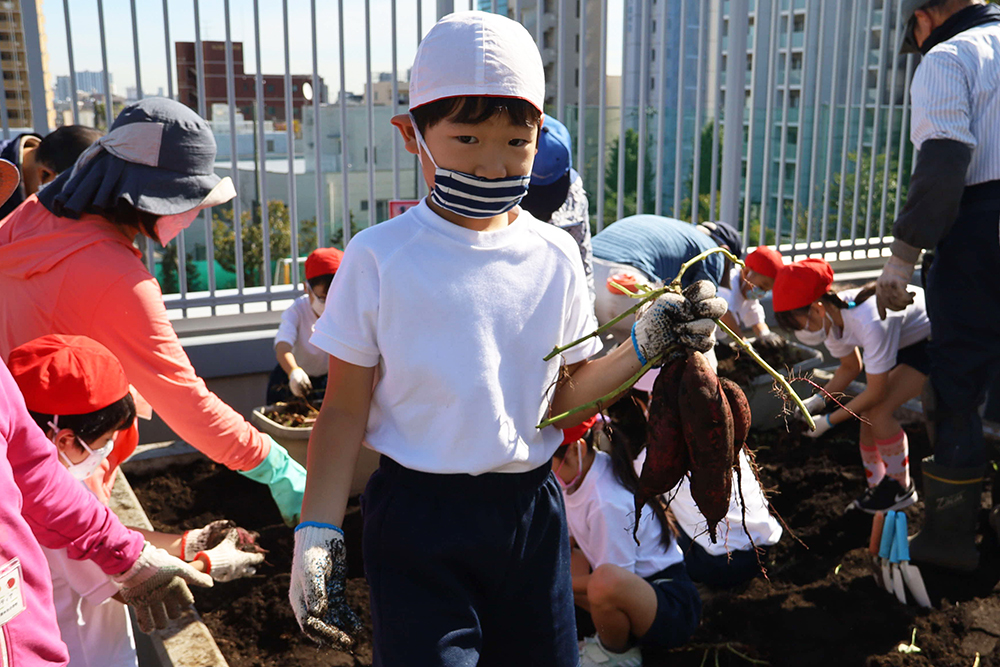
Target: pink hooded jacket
{"x": 64, "y": 276}
{"x": 41, "y": 503}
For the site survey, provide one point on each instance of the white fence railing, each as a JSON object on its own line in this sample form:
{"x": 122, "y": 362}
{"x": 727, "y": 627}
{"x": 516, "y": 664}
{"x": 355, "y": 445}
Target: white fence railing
{"x": 788, "y": 117}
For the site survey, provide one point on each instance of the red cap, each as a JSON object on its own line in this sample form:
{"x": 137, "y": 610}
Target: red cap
{"x": 765, "y": 260}
{"x": 67, "y": 375}
{"x": 629, "y": 281}
{"x": 322, "y": 262}
{"x": 571, "y": 435}
{"x": 801, "y": 283}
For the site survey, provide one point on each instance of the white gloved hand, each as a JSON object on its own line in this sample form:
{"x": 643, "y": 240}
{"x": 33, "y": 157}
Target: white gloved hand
{"x": 685, "y": 319}
{"x": 299, "y": 382}
{"x": 154, "y": 586}
{"x": 203, "y": 539}
{"x": 814, "y": 404}
{"x": 890, "y": 288}
{"x": 318, "y": 588}
{"x": 822, "y": 426}
{"x": 226, "y": 561}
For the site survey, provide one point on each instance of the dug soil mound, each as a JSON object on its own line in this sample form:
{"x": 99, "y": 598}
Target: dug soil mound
{"x": 819, "y": 605}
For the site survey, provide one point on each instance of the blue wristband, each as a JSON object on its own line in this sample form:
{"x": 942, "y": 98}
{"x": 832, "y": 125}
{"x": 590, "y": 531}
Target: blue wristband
{"x": 635, "y": 346}
{"x": 317, "y": 524}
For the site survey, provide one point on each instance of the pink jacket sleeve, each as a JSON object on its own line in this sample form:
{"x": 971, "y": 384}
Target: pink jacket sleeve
{"x": 141, "y": 336}
{"x": 59, "y": 510}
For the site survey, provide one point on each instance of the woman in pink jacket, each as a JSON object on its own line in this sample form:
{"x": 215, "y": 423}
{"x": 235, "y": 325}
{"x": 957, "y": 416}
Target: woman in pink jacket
{"x": 68, "y": 266}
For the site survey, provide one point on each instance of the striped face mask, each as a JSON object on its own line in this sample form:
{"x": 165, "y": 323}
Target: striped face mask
{"x": 471, "y": 196}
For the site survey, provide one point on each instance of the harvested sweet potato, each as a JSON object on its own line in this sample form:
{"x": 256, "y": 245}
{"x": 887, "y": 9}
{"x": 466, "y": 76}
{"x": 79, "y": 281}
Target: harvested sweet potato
{"x": 740, "y": 408}
{"x": 666, "y": 454}
{"x": 708, "y": 432}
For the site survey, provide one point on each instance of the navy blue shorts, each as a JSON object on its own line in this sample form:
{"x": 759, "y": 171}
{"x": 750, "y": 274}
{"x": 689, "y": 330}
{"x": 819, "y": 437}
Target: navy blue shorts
{"x": 719, "y": 571}
{"x": 678, "y": 608}
{"x": 915, "y": 356}
{"x": 468, "y": 570}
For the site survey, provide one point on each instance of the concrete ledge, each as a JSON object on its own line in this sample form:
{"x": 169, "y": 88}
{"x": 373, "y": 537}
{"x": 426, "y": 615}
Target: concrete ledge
{"x": 186, "y": 642}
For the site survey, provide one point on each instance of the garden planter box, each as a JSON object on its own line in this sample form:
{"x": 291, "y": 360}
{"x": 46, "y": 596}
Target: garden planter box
{"x": 767, "y": 406}
{"x": 296, "y": 441}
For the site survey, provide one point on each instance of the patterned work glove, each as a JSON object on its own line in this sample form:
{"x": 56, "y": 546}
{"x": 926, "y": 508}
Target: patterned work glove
{"x": 890, "y": 288}
{"x": 226, "y": 561}
{"x": 318, "y": 589}
{"x": 203, "y": 539}
{"x": 154, "y": 586}
{"x": 686, "y": 319}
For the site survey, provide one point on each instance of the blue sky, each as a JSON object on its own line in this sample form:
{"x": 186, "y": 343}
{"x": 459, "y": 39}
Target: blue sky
{"x": 118, "y": 27}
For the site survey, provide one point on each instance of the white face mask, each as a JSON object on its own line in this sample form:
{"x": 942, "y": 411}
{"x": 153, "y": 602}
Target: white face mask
{"x": 814, "y": 338}
{"x": 318, "y": 305}
{"x": 86, "y": 467}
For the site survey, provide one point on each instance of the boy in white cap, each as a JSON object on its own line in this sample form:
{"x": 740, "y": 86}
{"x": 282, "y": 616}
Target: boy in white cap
{"x": 456, "y": 302}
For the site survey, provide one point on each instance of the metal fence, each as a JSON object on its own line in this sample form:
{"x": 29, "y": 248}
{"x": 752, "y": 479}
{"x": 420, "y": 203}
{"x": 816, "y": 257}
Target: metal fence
{"x": 788, "y": 117}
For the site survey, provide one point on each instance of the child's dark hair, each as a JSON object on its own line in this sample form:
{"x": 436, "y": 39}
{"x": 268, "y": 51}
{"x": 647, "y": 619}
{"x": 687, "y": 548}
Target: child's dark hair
{"x": 60, "y": 148}
{"x": 789, "y": 319}
{"x": 321, "y": 281}
{"x": 126, "y": 215}
{"x": 91, "y": 426}
{"x": 628, "y": 439}
{"x": 472, "y": 110}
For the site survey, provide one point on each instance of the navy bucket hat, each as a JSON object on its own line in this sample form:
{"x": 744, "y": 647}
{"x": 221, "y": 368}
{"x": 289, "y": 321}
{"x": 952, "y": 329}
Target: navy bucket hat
{"x": 159, "y": 157}
{"x": 725, "y": 234}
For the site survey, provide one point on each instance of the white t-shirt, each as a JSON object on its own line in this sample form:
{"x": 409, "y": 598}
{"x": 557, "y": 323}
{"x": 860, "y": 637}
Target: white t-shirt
{"x": 296, "y": 327}
{"x": 458, "y": 322}
{"x": 748, "y": 312}
{"x": 95, "y": 628}
{"x": 878, "y": 339}
{"x": 760, "y": 525}
{"x": 601, "y": 515}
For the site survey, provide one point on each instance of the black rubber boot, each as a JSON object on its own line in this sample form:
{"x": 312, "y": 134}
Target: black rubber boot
{"x": 952, "y": 500}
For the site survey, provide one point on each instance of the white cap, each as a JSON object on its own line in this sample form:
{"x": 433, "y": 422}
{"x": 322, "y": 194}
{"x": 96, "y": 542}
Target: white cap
{"x": 477, "y": 54}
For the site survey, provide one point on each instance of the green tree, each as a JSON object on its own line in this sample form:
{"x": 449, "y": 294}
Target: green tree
{"x": 704, "y": 178}
{"x": 856, "y": 182}
{"x": 169, "y": 268}
{"x": 630, "y": 191}
{"x": 280, "y": 230}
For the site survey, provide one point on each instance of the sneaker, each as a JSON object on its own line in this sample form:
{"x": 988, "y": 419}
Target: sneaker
{"x": 887, "y": 495}
{"x": 594, "y": 654}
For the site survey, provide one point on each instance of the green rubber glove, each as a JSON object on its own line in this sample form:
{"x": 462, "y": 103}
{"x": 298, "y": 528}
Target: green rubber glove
{"x": 284, "y": 477}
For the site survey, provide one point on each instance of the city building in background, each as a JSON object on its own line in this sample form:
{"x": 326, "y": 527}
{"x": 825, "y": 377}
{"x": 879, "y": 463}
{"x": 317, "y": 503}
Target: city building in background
{"x": 214, "y": 58}
{"x": 24, "y": 60}
{"x": 86, "y": 82}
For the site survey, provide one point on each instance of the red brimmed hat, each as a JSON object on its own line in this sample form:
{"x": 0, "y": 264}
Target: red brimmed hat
{"x": 322, "y": 262}
{"x": 765, "y": 260}
{"x": 801, "y": 283}
{"x": 571, "y": 435}
{"x": 67, "y": 375}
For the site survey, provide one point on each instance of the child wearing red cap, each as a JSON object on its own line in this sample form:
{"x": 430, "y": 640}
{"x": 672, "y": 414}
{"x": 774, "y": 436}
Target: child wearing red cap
{"x": 748, "y": 285}
{"x": 77, "y": 393}
{"x": 893, "y": 354}
{"x": 637, "y": 590}
{"x": 301, "y": 369}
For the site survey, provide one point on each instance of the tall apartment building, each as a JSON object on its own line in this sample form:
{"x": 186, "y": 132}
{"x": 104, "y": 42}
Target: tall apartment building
{"x": 23, "y": 50}
{"x": 823, "y": 74}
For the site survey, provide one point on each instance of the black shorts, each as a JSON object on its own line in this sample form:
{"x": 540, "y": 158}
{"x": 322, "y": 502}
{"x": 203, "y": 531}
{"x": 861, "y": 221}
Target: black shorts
{"x": 678, "y": 608}
{"x": 915, "y": 356}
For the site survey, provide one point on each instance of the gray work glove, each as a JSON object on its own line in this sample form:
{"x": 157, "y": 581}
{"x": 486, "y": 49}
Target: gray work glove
{"x": 890, "y": 288}
{"x": 686, "y": 319}
{"x": 154, "y": 586}
{"x": 226, "y": 561}
{"x": 318, "y": 587}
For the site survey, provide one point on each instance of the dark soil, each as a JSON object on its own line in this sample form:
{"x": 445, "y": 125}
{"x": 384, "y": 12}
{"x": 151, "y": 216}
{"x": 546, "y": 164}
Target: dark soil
{"x": 296, "y": 413}
{"x": 819, "y": 605}
{"x": 743, "y": 370}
